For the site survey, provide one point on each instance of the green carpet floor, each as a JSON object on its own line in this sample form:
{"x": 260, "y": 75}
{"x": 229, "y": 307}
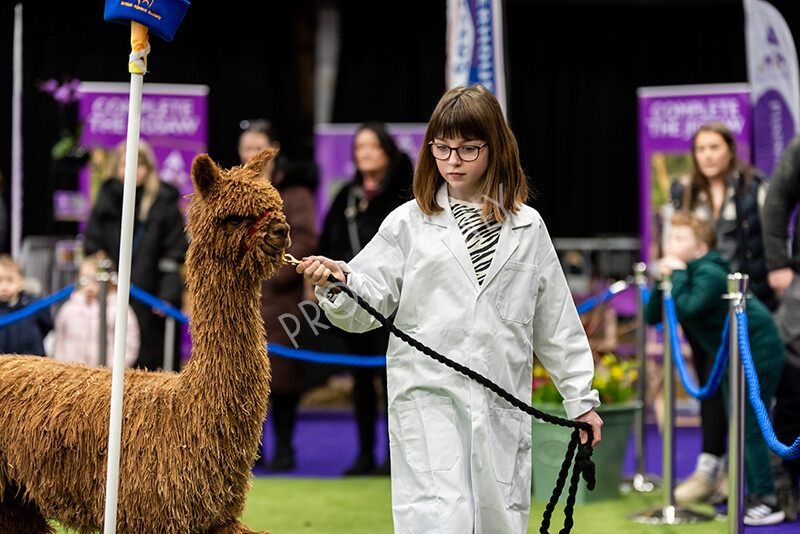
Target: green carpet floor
{"x": 362, "y": 506}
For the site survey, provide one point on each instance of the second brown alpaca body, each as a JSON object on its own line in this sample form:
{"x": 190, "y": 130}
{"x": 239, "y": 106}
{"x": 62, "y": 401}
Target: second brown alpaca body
{"x": 188, "y": 439}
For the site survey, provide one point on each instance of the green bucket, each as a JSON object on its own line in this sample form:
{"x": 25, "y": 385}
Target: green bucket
{"x": 549, "y": 445}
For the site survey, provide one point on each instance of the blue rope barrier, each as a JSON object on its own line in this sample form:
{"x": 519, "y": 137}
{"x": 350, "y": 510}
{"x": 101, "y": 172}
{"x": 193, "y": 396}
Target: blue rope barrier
{"x": 612, "y": 290}
{"x": 786, "y": 452}
{"x": 645, "y": 293}
{"x": 680, "y": 362}
{"x": 281, "y": 350}
{"x": 155, "y": 302}
{"x": 37, "y": 306}
{"x": 328, "y": 358}
{"x": 594, "y": 301}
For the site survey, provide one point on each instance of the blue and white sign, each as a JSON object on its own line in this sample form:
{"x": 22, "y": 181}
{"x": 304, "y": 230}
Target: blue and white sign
{"x": 775, "y": 85}
{"x": 475, "y": 46}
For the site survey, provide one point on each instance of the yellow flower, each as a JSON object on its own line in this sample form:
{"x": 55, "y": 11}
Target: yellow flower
{"x": 614, "y": 379}
{"x": 617, "y": 373}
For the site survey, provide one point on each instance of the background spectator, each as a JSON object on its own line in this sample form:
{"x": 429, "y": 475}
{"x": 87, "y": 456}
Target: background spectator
{"x": 728, "y": 193}
{"x": 296, "y": 182}
{"x": 784, "y": 265}
{"x": 381, "y": 183}
{"x": 25, "y": 336}
{"x": 158, "y": 249}
{"x": 76, "y": 337}
{"x": 699, "y": 280}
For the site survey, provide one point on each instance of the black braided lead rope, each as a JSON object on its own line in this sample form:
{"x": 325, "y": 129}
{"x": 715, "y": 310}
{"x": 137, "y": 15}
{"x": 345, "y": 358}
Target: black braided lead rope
{"x": 583, "y": 464}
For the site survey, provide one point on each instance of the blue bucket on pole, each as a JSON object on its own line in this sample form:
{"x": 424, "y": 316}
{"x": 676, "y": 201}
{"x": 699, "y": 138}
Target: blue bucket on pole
{"x": 162, "y": 17}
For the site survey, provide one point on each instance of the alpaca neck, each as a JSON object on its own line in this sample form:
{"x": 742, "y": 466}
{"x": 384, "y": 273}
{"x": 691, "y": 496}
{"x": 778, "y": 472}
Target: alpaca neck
{"x": 229, "y": 356}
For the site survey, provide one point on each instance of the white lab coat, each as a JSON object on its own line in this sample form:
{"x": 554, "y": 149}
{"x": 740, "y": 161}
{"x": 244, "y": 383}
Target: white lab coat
{"x": 461, "y": 456}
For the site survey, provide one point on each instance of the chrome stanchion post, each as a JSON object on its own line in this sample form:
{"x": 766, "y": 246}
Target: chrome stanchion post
{"x": 669, "y": 417}
{"x": 103, "y": 278}
{"x": 668, "y": 514}
{"x": 640, "y": 481}
{"x": 169, "y": 344}
{"x": 737, "y": 290}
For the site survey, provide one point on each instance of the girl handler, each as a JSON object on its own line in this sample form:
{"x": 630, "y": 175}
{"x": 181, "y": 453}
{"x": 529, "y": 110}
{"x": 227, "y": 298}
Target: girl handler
{"x": 471, "y": 272}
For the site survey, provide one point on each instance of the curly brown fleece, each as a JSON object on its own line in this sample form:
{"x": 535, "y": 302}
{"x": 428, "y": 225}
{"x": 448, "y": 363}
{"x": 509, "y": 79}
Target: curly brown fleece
{"x": 188, "y": 439}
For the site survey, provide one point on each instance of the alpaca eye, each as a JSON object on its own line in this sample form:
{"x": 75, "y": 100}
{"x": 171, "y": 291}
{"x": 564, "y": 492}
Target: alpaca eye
{"x": 235, "y": 220}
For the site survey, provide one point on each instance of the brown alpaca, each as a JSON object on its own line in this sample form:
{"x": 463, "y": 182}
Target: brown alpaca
{"x": 188, "y": 439}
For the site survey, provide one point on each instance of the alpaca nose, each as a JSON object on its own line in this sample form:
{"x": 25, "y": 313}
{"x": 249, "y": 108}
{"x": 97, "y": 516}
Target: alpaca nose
{"x": 281, "y": 230}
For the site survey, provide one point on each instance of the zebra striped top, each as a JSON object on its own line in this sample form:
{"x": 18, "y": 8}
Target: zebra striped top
{"x": 481, "y": 236}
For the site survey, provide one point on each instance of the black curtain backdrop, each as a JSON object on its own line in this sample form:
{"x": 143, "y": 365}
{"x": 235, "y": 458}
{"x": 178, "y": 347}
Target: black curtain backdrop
{"x": 249, "y": 53}
{"x": 574, "y": 71}
{"x": 573, "y": 67}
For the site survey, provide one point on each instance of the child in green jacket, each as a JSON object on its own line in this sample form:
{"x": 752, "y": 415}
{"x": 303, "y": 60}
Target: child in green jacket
{"x": 699, "y": 281}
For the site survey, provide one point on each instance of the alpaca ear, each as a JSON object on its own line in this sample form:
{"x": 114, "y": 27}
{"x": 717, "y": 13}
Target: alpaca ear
{"x": 259, "y": 161}
{"x": 204, "y": 173}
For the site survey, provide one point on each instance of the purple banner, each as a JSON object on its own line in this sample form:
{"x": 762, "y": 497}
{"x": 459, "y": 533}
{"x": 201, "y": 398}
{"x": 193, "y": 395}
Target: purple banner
{"x": 333, "y": 153}
{"x": 668, "y": 119}
{"x": 174, "y": 122}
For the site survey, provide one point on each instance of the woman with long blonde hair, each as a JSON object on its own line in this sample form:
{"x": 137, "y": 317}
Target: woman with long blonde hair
{"x": 158, "y": 248}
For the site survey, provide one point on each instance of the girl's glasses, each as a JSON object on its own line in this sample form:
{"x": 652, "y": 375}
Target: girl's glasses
{"x": 465, "y": 152}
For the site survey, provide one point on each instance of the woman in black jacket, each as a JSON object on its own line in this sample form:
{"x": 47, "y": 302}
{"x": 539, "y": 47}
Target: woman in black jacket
{"x": 382, "y": 182}
{"x": 158, "y": 248}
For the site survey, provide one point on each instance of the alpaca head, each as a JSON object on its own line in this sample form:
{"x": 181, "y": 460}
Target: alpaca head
{"x": 235, "y": 217}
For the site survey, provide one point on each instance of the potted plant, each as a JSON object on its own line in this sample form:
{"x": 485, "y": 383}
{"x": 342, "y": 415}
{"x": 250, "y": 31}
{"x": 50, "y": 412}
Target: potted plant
{"x": 615, "y": 380}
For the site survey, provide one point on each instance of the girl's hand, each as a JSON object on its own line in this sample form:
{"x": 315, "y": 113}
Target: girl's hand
{"x": 317, "y": 269}
{"x": 595, "y": 422}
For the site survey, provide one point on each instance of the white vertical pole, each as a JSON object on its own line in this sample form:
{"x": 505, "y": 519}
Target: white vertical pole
{"x": 16, "y": 138}
{"x": 123, "y": 293}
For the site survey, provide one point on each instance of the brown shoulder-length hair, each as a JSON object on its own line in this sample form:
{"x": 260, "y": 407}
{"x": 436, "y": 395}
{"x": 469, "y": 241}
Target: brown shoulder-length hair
{"x": 698, "y": 182}
{"x": 472, "y": 112}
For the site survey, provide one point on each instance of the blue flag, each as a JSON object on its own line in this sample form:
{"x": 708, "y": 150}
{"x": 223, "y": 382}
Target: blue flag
{"x": 475, "y": 46}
